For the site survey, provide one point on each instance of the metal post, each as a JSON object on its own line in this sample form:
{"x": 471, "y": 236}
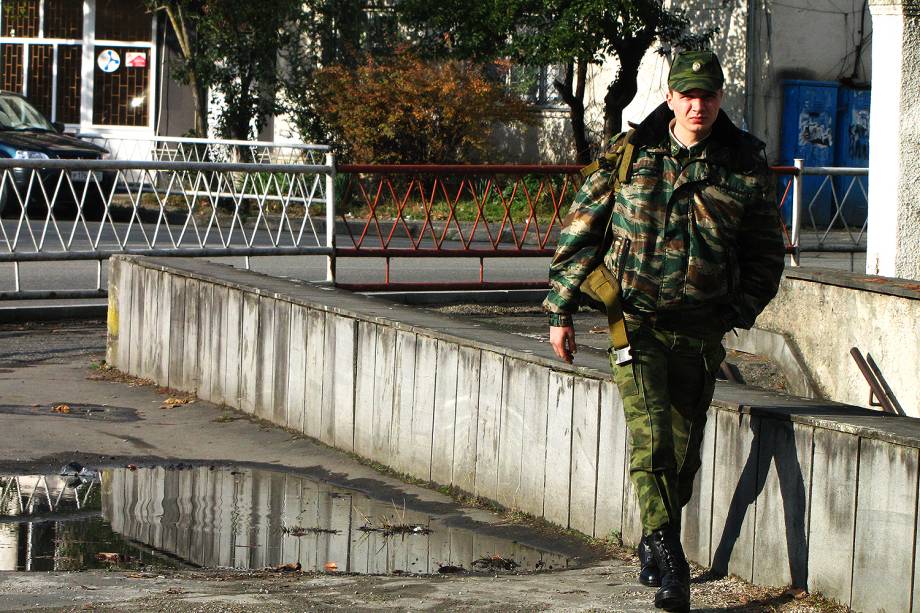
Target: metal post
{"x": 330, "y": 217}
{"x": 98, "y": 274}
{"x": 797, "y": 180}
{"x": 16, "y": 277}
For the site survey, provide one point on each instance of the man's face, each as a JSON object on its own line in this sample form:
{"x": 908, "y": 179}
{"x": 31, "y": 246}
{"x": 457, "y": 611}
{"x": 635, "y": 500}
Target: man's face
{"x": 695, "y": 109}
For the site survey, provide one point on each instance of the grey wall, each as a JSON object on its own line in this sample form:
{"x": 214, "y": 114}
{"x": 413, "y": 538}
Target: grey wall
{"x": 791, "y": 490}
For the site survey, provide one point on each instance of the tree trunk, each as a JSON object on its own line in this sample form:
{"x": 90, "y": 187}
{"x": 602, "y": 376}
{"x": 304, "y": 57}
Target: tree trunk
{"x": 623, "y": 88}
{"x": 572, "y": 92}
{"x": 200, "y": 100}
{"x": 186, "y": 38}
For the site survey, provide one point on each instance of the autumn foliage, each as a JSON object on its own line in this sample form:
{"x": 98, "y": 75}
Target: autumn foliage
{"x": 402, "y": 109}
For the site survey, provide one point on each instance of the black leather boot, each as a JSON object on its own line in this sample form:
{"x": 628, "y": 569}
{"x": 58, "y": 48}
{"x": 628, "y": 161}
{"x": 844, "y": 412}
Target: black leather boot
{"x": 648, "y": 574}
{"x": 674, "y": 593}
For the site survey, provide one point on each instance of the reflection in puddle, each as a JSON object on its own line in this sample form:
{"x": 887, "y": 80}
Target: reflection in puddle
{"x": 234, "y": 518}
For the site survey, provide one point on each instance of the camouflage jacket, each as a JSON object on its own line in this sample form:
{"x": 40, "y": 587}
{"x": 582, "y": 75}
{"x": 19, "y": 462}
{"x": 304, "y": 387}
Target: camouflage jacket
{"x": 694, "y": 237}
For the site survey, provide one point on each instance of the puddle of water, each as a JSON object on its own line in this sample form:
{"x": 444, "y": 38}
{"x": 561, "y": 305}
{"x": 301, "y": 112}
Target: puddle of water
{"x": 234, "y": 518}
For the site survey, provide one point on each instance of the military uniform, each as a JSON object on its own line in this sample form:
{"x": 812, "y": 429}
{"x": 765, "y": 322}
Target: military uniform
{"x": 695, "y": 242}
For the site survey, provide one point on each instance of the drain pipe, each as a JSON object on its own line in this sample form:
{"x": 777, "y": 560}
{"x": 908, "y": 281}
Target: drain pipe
{"x": 749, "y": 53}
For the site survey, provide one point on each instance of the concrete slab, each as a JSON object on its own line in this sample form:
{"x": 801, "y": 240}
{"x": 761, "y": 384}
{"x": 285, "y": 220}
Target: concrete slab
{"x": 558, "y": 448}
{"x": 150, "y": 329}
{"x": 249, "y": 355}
{"x": 314, "y": 392}
{"x": 384, "y": 386}
{"x": 297, "y": 358}
{"x": 265, "y": 359}
{"x": 511, "y": 434}
{"x": 832, "y": 514}
{"x": 696, "y": 520}
{"x": 734, "y": 494}
{"x": 343, "y": 383}
{"x": 445, "y": 414}
{"x": 328, "y": 363}
{"x": 488, "y": 441}
{"x": 533, "y": 460}
{"x": 364, "y": 386}
{"x": 426, "y": 363}
{"x": 403, "y": 399}
{"x": 784, "y": 479}
{"x": 177, "y": 324}
{"x": 466, "y": 423}
{"x": 233, "y": 352}
{"x": 205, "y": 348}
{"x": 886, "y": 512}
{"x": 217, "y": 341}
{"x": 163, "y": 329}
{"x": 585, "y": 427}
{"x": 282, "y": 333}
{"x": 611, "y": 463}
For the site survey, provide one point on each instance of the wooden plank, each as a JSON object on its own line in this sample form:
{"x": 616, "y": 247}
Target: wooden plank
{"x": 585, "y": 426}
{"x": 384, "y": 381}
{"x": 313, "y": 373}
{"x": 297, "y": 352}
{"x": 234, "y": 344}
{"x": 282, "y": 333}
{"x": 426, "y": 360}
{"x": 781, "y": 521}
{"x": 445, "y": 409}
{"x": 190, "y": 349}
{"x": 558, "y": 448}
{"x": 886, "y": 521}
{"x": 265, "y": 359}
{"x": 533, "y": 461}
{"x": 832, "y": 514}
{"x": 466, "y": 423}
{"x": 249, "y": 353}
{"x": 346, "y": 331}
{"x": 733, "y": 499}
{"x": 612, "y": 465}
{"x": 403, "y": 399}
{"x": 490, "y": 406}
{"x": 696, "y": 518}
{"x": 364, "y": 389}
{"x": 176, "y": 377}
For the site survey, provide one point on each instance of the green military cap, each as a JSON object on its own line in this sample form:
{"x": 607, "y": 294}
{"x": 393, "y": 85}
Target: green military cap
{"x": 696, "y": 70}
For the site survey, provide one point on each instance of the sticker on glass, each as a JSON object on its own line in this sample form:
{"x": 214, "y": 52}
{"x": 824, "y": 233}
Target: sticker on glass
{"x": 136, "y": 59}
{"x": 108, "y": 60}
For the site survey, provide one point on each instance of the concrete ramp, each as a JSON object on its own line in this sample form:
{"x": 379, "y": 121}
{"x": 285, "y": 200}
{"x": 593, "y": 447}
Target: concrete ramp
{"x": 792, "y": 490}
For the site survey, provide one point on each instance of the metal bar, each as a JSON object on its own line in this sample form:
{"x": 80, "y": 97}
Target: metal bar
{"x": 213, "y": 141}
{"x": 38, "y": 294}
{"x": 394, "y": 252}
{"x": 330, "y": 219}
{"x": 438, "y": 287}
{"x": 889, "y": 393}
{"x": 57, "y": 164}
{"x": 192, "y": 252}
{"x": 460, "y": 169}
{"x": 874, "y": 386}
{"x": 835, "y": 171}
{"x": 795, "y": 238}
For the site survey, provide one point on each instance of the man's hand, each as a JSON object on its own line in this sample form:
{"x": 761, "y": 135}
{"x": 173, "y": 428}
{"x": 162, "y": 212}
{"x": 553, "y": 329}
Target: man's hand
{"x": 562, "y": 338}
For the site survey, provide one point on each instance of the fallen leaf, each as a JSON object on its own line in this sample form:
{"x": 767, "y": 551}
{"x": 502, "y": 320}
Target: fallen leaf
{"x": 61, "y": 408}
{"x": 174, "y": 401}
{"x": 104, "y": 556}
{"x": 132, "y": 467}
{"x": 798, "y": 593}
{"x": 331, "y": 566}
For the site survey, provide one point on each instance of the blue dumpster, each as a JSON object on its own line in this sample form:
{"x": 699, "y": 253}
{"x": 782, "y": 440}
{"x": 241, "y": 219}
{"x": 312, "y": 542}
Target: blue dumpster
{"x": 853, "y": 151}
{"x": 808, "y": 132}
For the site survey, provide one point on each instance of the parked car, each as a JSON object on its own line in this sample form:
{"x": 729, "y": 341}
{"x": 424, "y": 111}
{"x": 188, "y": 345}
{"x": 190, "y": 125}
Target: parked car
{"x": 26, "y": 134}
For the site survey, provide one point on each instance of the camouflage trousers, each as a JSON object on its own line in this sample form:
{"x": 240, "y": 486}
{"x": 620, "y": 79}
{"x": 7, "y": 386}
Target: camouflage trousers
{"x": 666, "y": 392}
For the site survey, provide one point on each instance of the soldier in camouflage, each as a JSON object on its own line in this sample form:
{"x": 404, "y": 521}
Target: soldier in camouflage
{"x": 694, "y": 238}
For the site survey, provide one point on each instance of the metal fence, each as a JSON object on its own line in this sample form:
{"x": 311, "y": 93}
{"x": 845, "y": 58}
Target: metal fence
{"x": 55, "y": 210}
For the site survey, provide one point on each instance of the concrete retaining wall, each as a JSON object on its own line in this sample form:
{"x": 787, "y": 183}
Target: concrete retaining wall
{"x": 826, "y": 312}
{"x": 791, "y": 490}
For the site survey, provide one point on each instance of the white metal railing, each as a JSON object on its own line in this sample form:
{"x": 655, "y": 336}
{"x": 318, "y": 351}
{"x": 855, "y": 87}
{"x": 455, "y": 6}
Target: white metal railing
{"x": 839, "y": 189}
{"x": 57, "y": 210}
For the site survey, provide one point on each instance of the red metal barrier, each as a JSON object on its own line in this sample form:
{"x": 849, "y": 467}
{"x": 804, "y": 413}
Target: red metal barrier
{"x": 468, "y": 211}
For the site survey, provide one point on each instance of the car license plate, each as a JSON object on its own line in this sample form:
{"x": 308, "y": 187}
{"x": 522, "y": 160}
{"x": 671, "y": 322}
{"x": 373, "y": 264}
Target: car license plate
{"x": 79, "y": 175}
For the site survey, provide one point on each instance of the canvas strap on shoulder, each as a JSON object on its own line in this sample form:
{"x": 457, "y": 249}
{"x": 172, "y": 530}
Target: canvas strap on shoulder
{"x": 603, "y": 287}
